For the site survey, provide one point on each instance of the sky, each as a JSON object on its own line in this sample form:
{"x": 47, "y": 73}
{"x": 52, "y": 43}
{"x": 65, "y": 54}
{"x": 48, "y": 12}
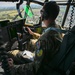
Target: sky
{"x": 14, "y": 3}
{"x": 7, "y": 4}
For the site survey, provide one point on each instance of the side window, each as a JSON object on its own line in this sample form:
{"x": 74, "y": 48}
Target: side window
{"x": 60, "y": 17}
{"x": 70, "y": 14}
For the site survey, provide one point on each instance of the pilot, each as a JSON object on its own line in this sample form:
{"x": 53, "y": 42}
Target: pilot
{"x": 46, "y": 46}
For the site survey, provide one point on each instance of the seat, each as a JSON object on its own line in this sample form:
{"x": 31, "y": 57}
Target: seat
{"x": 63, "y": 59}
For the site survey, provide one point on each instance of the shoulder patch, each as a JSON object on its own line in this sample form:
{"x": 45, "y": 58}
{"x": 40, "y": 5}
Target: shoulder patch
{"x": 39, "y": 53}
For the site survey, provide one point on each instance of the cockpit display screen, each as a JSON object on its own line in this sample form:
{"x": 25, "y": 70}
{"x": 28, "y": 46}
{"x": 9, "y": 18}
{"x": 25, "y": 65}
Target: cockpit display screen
{"x": 10, "y": 29}
{"x": 14, "y": 27}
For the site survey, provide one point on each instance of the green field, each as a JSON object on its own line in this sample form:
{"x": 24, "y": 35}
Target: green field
{"x": 10, "y": 15}
{"x": 7, "y": 14}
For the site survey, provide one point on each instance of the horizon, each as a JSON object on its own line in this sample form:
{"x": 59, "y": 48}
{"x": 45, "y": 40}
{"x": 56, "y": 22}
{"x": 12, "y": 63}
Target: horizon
{"x": 12, "y": 6}
{"x": 13, "y": 3}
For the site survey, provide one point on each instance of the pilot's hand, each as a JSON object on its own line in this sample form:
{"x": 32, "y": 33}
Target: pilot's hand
{"x": 10, "y": 62}
{"x": 30, "y": 31}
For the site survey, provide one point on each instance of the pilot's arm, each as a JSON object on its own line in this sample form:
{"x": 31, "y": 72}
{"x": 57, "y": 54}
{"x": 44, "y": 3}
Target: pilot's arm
{"x": 35, "y": 35}
{"x": 29, "y": 68}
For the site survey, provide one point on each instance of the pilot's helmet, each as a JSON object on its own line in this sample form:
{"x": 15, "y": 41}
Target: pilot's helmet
{"x": 50, "y": 10}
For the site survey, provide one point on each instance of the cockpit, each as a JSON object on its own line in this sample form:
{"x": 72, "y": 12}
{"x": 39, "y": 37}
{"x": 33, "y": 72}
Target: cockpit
{"x": 16, "y": 15}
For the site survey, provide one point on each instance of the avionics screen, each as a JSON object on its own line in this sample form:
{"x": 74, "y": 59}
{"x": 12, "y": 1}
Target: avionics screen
{"x": 9, "y": 29}
{"x": 14, "y": 27}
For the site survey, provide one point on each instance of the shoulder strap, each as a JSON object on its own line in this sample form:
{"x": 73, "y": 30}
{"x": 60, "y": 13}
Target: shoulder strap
{"x": 56, "y": 29}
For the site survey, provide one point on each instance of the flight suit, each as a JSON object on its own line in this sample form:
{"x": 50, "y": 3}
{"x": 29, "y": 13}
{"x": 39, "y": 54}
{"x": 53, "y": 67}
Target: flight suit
{"x": 46, "y": 47}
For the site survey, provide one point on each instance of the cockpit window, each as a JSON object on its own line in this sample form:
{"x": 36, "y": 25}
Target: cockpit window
{"x": 70, "y": 16}
{"x": 8, "y": 12}
{"x": 60, "y": 17}
{"x": 35, "y": 9}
